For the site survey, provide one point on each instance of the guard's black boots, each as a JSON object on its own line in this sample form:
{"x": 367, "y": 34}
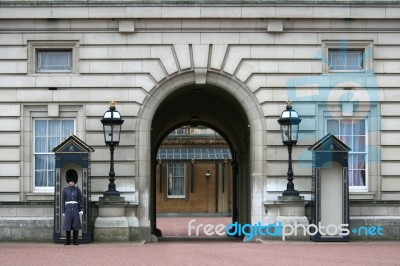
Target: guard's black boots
{"x": 68, "y": 239}
{"x": 75, "y": 237}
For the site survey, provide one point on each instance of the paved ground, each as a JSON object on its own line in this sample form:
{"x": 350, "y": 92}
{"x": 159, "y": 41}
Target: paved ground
{"x": 179, "y": 250}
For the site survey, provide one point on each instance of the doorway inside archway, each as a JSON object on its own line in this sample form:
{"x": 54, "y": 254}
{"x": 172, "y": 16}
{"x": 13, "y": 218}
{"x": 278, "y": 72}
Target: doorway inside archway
{"x": 196, "y": 108}
{"x": 193, "y": 181}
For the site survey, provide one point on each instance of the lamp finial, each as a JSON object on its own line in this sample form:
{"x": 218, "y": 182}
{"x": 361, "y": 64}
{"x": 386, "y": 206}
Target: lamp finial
{"x": 288, "y": 105}
{"x": 112, "y": 104}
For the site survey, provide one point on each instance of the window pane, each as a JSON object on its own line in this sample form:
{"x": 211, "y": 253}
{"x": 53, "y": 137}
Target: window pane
{"x": 67, "y": 126}
{"x": 54, "y": 61}
{"x": 51, "y": 178}
{"x": 346, "y": 127}
{"x": 357, "y": 161}
{"x": 359, "y": 144}
{"x": 347, "y": 140}
{"x": 345, "y": 59}
{"x": 41, "y": 162}
{"x": 40, "y": 144}
{"x": 357, "y": 178}
{"x": 54, "y": 128}
{"x": 333, "y": 127}
{"x": 51, "y": 161}
{"x": 359, "y": 127}
{"x": 40, "y": 179}
{"x": 40, "y": 128}
{"x": 53, "y": 142}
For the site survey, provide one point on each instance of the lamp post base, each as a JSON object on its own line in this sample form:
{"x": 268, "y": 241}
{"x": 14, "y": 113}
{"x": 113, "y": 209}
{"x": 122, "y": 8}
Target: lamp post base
{"x": 290, "y": 198}
{"x": 290, "y": 193}
{"x": 287, "y": 210}
{"x": 111, "y": 194}
{"x": 111, "y": 225}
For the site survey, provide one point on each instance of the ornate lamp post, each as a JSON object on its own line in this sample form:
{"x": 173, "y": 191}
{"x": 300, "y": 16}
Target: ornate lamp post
{"x": 112, "y": 122}
{"x": 289, "y": 122}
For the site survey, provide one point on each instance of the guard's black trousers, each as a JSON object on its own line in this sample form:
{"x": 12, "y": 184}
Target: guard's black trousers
{"x": 74, "y": 237}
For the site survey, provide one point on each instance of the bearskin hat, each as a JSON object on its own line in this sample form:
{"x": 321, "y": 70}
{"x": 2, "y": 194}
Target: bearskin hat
{"x": 71, "y": 175}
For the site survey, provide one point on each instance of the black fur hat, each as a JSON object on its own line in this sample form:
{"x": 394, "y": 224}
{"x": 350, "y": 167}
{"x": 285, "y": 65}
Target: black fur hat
{"x": 71, "y": 175}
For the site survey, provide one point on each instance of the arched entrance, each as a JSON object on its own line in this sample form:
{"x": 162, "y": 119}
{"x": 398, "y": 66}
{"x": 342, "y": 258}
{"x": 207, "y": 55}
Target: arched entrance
{"x": 221, "y": 104}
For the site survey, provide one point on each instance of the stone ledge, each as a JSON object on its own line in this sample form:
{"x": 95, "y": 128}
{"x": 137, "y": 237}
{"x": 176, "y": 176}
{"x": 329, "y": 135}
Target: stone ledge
{"x": 26, "y": 229}
{"x": 374, "y": 202}
{"x": 203, "y": 9}
{"x": 196, "y": 2}
{"x": 26, "y": 203}
{"x": 32, "y": 218}
{"x": 40, "y": 197}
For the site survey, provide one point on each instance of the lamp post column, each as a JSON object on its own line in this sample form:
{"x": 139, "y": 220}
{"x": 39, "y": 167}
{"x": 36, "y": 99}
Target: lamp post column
{"x": 290, "y": 191}
{"x": 111, "y": 185}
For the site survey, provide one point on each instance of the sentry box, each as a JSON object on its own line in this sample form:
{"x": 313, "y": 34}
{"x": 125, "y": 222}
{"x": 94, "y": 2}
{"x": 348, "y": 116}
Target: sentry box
{"x": 330, "y": 189}
{"x": 72, "y": 153}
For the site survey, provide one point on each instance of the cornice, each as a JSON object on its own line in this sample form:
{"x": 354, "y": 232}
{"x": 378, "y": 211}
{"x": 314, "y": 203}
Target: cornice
{"x": 47, "y": 3}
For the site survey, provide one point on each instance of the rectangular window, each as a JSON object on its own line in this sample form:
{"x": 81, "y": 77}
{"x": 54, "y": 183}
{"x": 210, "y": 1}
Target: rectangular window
{"x": 176, "y": 180}
{"x": 47, "y": 135}
{"x": 345, "y": 60}
{"x": 54, "y": 60}
{"x": 353, "y": 133}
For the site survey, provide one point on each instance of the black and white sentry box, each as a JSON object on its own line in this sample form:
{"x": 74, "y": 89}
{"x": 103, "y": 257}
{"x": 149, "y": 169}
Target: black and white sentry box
{"x": 330, "y": 191}
{"x": 72, "y": 153}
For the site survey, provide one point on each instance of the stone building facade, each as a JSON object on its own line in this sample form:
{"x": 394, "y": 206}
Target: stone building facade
{"x": 228, "y": 65}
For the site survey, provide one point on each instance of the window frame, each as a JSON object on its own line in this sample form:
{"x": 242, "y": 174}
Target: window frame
{"x": 183, "y": 196}
{"x": 361, "y": 66}
{"x": 34, "y": 153}
{"x": 365, "y": 110}
{"x": 365, "y": 46}
{"x": 35, "y": 47}
{"x": 351, "y": 152}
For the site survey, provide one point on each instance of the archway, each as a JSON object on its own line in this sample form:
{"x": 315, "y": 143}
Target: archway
{"x": 221, "y": 104}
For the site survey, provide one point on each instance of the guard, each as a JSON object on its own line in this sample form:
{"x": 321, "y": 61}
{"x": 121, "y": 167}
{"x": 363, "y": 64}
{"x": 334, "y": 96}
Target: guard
{"x": 72, "y": 207}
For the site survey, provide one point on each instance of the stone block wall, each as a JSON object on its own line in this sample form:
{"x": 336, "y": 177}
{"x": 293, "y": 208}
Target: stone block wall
{"x": 126, "y": 53}
{"x": 382, "y": 214}
{"x": 26, "y": 222}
